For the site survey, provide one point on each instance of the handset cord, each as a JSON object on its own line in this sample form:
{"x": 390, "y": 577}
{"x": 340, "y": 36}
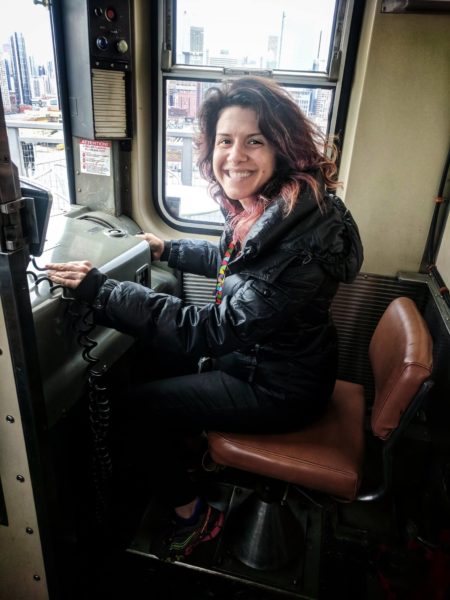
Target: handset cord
{"x": 99, "y": 405}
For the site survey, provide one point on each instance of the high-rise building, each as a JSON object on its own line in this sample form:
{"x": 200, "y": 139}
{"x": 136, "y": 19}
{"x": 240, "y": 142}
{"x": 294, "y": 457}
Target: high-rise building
{"x": 302, "y": 97}
{"x": 194, "y": 54}
{"x": 321, "y": 98}
{"x": 183, "y": 99}
{"x": 223, "y": 59}
{"x": 39, "y": 87}
{"x": 7, "y": 58}
{"x": 197, "y": 39}
{"x": 322, "y": 107}
{"x": 22, "y": 82}
{"x": 272, "y": 52}
{"x": 4, "y": 85}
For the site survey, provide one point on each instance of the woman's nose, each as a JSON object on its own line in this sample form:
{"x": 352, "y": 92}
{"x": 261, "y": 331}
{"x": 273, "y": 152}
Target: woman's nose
{"x": 237, "y": 153}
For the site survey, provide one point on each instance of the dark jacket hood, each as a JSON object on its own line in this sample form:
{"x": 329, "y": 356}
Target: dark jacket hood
{"x": 327, "y": 235}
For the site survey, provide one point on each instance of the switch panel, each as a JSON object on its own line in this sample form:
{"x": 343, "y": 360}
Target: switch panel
{"x": 142, "y": 276}
{"x": 97, "y": 38}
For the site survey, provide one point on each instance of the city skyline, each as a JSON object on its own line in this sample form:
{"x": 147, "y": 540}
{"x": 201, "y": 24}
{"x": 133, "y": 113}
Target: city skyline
{"x": 24, "y": 81}
{"x": 295, "y": 31}
{"x": 27, "y": 71}
{"x": 33, "y": 21}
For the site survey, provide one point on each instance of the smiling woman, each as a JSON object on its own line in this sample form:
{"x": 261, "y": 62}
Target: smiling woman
{"x": 287, "y": 243}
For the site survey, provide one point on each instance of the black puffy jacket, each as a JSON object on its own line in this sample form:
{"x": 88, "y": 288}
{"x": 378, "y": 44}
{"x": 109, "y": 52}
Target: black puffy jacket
{"x": 273, "y": 326}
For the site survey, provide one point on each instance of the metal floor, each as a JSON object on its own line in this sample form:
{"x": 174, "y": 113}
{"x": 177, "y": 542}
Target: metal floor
{"x": 352, "y": 552}
{"x": 322, "y": 566}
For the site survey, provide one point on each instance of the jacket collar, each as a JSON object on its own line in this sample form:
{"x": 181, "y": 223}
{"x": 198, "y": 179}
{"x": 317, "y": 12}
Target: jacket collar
{"x": 274, "y": 226}
{"x": 328, "y": 236}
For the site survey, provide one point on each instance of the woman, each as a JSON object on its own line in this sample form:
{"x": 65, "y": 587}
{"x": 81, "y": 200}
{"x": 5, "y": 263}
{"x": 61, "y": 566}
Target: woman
{"x": 287, "y": 243}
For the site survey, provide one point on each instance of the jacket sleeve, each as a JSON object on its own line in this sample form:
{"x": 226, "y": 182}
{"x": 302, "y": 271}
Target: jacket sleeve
{"x": 195, "y": 256}
{"x": 254, "y": 311}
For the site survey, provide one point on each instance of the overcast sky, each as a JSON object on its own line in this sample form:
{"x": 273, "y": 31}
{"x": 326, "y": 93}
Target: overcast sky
{"x": 239, "y": 25}
{"x": 243, "y": 27}
{"x": 33, "y": 21}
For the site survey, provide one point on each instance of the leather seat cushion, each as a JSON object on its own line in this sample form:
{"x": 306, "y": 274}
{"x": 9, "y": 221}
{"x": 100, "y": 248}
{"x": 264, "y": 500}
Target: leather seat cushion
{"x": 401, "y": 354}
{"x": 326, "y": 456}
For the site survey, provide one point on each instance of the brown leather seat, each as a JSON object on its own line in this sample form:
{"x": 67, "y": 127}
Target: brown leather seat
{"x": 328, "y": 455}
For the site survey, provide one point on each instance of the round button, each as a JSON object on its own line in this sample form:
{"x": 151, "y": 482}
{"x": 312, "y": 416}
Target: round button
{"x": 102, "y": 43}
{"x": 110, "y": 14}
{"x": 98, "y": 11}
{"x": 122, "y": 46}
{"x": 116, "y": 232}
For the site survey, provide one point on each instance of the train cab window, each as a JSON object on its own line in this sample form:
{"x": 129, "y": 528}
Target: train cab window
{"x": 300, "y": 44}
{"x": 31, "y": 102}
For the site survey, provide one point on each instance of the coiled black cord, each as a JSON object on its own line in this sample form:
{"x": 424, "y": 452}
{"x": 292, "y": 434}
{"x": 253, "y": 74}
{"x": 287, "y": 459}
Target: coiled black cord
{"x": 39, "y": 279}
{"x": 99, "y": 407}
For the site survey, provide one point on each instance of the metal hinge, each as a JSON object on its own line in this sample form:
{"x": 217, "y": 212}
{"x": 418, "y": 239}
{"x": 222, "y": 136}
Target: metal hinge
{"x": 335, "y": 66}
{"x": 11, "y": 236}
{"x": 166, "y": 59}
{"x": 16, "y": 223}
{"x": 166, "y": 50}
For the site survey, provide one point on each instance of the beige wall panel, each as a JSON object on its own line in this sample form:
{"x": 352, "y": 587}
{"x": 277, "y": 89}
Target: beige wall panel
{"x": 22, "y": 571}
{"x": 398, "y": 130}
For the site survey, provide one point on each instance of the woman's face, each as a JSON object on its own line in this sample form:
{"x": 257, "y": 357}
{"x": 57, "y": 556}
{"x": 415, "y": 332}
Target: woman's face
{"x": 243, "y": 159}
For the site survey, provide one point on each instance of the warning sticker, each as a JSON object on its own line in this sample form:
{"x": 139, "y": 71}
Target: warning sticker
{"x": 95, "y": 157}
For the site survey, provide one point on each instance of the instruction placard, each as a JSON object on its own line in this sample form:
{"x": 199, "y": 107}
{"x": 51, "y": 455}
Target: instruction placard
{"x": 95, "y": 157}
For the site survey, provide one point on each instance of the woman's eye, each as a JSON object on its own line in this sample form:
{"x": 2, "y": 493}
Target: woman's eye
{"x": 255, "y": 142}
{"x": 223, "y": 142}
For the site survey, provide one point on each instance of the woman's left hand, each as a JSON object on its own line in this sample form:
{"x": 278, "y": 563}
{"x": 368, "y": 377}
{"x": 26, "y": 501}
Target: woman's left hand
{"x": 69, "y": 274}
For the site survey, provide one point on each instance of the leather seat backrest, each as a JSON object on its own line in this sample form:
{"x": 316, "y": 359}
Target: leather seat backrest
{"x": 401, "y": 355}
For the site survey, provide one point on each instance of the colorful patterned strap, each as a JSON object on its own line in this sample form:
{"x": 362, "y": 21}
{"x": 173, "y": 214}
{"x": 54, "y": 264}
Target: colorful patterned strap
{"x": 222, "y": 271}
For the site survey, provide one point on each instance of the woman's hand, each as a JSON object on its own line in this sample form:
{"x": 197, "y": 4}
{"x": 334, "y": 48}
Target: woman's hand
{"x": 69, "y": 274}
{"x": 156, "y": 244}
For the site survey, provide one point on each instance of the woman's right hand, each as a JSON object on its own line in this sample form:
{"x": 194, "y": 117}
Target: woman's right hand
{"x": 156, "y": 244}
{"x": 69, "y": 274}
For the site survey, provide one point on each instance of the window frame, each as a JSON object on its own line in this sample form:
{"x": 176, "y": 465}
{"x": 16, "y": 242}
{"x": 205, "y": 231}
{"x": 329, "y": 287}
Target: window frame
{"x": 340, "y": 66}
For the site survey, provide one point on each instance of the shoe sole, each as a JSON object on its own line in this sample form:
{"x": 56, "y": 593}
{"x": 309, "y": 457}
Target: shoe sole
{"x": 216, "y": 529}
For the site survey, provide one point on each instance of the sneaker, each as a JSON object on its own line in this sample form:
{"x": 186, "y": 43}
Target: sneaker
{"x": 186, "y": 538}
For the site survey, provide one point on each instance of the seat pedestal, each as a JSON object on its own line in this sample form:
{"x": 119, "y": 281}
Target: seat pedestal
{"x": 265, "y": 534}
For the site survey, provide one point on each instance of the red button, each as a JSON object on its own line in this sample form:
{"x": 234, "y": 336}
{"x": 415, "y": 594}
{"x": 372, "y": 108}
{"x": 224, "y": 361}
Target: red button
{"x": 110, "y": 14}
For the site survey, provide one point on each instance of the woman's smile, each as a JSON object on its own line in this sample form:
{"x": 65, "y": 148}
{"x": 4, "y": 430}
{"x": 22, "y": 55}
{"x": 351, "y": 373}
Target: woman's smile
{"x": 237, "y": 174}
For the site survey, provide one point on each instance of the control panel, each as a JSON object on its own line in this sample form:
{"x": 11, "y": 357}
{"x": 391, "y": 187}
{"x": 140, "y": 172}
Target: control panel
{"x": 110, "y": 244}
{"x": 98, "y": 43}
{"x": 109, "y": 33}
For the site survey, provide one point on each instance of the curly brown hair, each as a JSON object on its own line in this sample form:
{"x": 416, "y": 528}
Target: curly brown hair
{"x": 301, "y": 149}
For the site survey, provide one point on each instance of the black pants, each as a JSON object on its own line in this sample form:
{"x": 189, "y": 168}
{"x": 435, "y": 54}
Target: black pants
{"x": 153, "y": 419}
